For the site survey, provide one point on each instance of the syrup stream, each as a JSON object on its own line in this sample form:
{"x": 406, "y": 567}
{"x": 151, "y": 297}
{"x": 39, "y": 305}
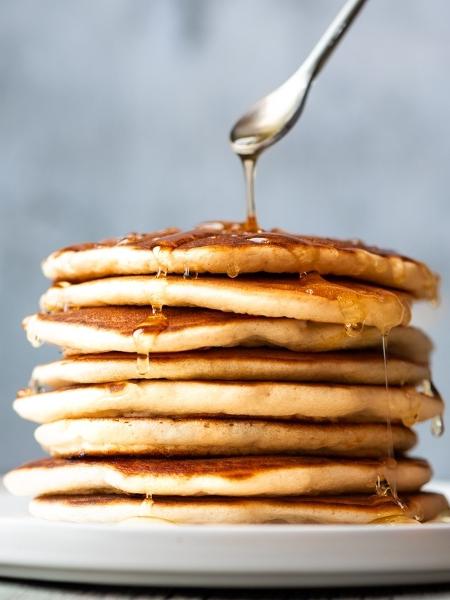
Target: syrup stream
{"x": 390, "y": 486}
{"x": 249, "y": 165}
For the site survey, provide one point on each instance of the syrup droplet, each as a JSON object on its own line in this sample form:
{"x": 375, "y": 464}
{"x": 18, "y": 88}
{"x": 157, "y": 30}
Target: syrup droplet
{"x": 259, "y": 240}
{"x": 143, "y": 363}
{"x": 34, "y": 340}
{"x": 35, "y": 386}
{"x": 157, "y": 310}
{"x": 162, "y": 270}
{"x": 352, "y": 329}
{"x": 437, "y": 426}
{"x": 233, "y": 270}
{"x": 426, "y": 388}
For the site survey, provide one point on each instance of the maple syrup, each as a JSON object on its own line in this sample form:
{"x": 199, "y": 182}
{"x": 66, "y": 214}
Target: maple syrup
{"x": 34, "y": 340}
{"x": 145, "y": 335}
{"x": 249, "y": 165}
{"x": 437, "y": 426}
{"x": 233, "y": 270}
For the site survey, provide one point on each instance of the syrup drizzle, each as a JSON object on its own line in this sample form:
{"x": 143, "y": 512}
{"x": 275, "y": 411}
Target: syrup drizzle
{"x": 388, "y": 485}
{"x": 249, "y": 165}
{"x": 144, "y": 337}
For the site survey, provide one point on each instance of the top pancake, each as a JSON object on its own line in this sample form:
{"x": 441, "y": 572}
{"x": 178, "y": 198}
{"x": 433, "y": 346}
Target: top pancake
{"x": 221, "y": 247}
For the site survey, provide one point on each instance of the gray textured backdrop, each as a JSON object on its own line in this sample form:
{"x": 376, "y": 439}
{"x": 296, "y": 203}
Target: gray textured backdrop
{"x": 114, "y": 116}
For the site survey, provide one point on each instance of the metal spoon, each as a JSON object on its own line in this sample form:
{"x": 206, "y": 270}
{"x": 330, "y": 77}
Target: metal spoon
{"x": 274, "y": 115}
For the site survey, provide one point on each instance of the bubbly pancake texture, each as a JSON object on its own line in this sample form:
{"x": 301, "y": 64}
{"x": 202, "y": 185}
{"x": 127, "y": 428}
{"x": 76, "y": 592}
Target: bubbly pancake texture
{"x": 217, "y": 437}
{"x": 266, "y": 364}
{"x": 310, "y": 297}
{"x": 138, "y": 329}
{"x": 226, "y": 248}
{"x": 269, "y": 400}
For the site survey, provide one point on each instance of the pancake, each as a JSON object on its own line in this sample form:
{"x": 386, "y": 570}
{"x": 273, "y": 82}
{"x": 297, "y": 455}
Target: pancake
{"x": 216, "y": 509}
{"x": 269, "y": 364}
{"x": 269, "y": 400}
{"x": 217, "y": 437}
{"x": 310, "y": 298}
{"x": 137, "y": 329}
{"x": 244, "y": 476}
{"x": 221, "y": 247}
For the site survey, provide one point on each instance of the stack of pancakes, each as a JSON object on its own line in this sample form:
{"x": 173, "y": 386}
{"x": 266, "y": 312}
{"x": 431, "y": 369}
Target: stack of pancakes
{"x": 225, "y": 376}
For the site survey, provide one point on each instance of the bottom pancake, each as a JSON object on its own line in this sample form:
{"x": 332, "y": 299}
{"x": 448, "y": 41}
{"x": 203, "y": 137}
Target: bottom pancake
{"x": 243, "y": 476}
{"x": 218, "y": 437}
{"x": 111, "y": 508}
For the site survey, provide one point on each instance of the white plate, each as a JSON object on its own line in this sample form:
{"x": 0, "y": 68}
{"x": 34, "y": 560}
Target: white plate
{"x": 228, "y": 556}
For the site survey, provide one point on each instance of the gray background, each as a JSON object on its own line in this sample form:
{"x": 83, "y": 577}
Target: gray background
{"x": 114, "y": 117}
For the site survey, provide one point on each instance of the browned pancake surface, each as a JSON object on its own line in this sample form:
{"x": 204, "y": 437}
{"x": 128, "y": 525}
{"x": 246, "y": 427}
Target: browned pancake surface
{"x": 225, "y": 234}
{"x": 126, "y": 319}
{"x": 230, "y": 468}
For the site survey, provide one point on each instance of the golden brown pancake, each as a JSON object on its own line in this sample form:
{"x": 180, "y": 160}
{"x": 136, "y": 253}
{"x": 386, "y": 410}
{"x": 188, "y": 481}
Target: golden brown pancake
{"x": 267, "y": 364}
{"x": 310, "y": 298}
{"x": 221, "y": 247}
{"x": 268, "y": 400}
{"x": 243, "y": 476}
{"x": 218, "y": 437}
{"x": 137, "y": 329}
{"x": 359, "y": 510}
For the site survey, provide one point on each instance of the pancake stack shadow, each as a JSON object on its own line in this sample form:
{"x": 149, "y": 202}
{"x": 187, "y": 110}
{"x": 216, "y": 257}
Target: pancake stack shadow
{"x": 226, "y": 376}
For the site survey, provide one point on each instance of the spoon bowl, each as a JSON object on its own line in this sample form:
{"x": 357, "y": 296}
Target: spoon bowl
{"x": 275, "y": 114}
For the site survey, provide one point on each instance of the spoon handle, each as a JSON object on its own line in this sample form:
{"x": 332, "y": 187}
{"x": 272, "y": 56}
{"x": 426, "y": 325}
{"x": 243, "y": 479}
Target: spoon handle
{"x": 330, "y": 39}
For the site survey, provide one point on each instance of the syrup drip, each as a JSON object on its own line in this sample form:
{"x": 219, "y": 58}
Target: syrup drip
{"x": 144, "y": 336}
{"x": 249, "y": 165}
{"x": 143, "y": 363}
{"x": 233, "y": 270}
{"x": 437, "y": 426}
{"x": 352, "y": 329}
{"x": 353, "y": 314}
{"x": 186, "y": 273}
{"x": 162, "y": 270}
{"x": 35, "y": 386}
{"x": 34, "y": 340}
{"x": 391, "y": 463}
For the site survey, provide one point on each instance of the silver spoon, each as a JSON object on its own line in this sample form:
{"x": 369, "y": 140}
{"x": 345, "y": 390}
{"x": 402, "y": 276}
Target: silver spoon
{"x": 274, "y": 115}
